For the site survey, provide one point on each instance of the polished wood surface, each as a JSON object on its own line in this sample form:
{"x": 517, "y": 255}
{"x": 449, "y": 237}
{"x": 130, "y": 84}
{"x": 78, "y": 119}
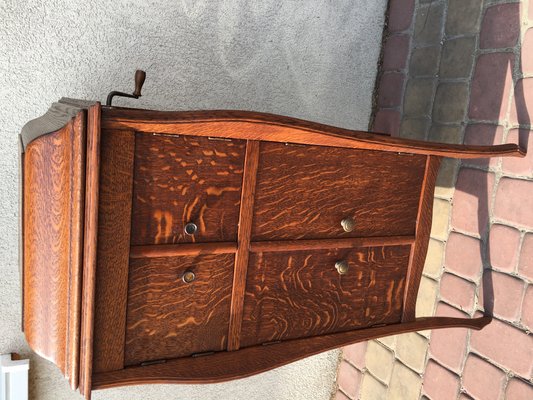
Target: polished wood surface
{"x": 225, "y": 366}
{"x": 182, "y": 179}
{"x": 275, "y": 128}
{"x": 169, "y": 318}
{"x": 256, "y": 286}
{"x": 243, "y": 250}
{"x": 114, "y": 224}
{"x": 304, "y": 192}
{"x": 53, "y": 224}
{"x": 301, "y": 294}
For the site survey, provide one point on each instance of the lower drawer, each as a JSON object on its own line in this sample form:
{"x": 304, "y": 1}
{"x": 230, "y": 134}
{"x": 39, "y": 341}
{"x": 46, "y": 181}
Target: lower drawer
{"x": 177, "y": 306}
{"x": 301, "y": 293}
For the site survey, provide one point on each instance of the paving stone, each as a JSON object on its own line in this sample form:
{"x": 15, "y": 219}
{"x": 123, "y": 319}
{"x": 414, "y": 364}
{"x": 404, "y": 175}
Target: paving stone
{"x": 411, "y": 349}
{"x": 451, "y": 101}
{"x": 516, "y": 165}
{"x": 506, "y": 346}
{"x": 484, "y": 135}
{"x": 500, "y": 27}
{"x": 463, "y": 17}
{"x": 491, "y": 86}
{"x": 372, "y": 389}
{"x": 482, "y": 380}
{"x": 400, "y": 15}
{"x": 348, "y": 379}
{"x": 463, "y": 256}
{"x": 457, "y": 291}
{"x": 518, "y": 389}
{"x": 424, "y": 61}
{"x": 445, "y": 184}
{"x": 341, "y": 396}
{"x": 527, "y": 309}
{"x": 472, "y": 193}
{"x": 525, "y": 264}
{"x": 441, "y": 216}
{"x": 387, "y": 121}
{"x": 434, "y": 259}
{"x": 514, "y": 202}
{"x": 427, "y": 297}
{"x": 379, "y": 361}
{"x": 504, "y": 242}
{"x": 391, "y": 89}
{"x": 446, "y": 133}
{"x": 414, "y": 128}
{"x": 522, "y": 103}
{"x": 527, "y": 52}
{"x": 439, "y": 383}
{"x": 448, "y": 346}
{"x": 355, "y": 354}
{"x": 418, "y": 95}
{"x": 428, "y": 24}
{"x": 457, "y": 58}
{"x": 388, "y": 341}
{"x": 405, "y": 384}
{"x": 505, "y": 298}
{"x": 395, "y": 52}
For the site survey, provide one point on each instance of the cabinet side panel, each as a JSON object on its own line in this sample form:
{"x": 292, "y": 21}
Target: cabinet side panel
{"x": 114, "y": 221}
{"x": 53, "y": 188}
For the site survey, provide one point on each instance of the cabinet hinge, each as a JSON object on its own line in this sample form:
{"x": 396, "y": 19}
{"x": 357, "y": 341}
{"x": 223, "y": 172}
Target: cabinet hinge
{"x": 146, "y": 363}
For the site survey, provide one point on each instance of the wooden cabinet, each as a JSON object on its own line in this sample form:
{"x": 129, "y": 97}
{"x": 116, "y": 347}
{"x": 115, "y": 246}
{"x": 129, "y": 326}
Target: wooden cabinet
{"x": 190, "y": 247}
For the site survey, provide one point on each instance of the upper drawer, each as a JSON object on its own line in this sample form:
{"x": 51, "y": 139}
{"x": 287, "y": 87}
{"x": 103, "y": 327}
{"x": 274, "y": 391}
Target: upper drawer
{"x": 301, "y": 293}
{"x": 185, "y": 179}
{"x": 304, "y": 192}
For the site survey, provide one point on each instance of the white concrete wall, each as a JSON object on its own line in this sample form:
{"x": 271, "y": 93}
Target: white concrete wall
{"x": 312, "y": 59}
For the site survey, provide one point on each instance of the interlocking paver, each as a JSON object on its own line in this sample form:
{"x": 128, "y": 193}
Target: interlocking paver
{"x": 463, "y": 256}
{"x": 395, "y": 52}
{"x": 429, "y": 24}
{"x": 424, "y": 61}
{"x": 514, "y": 202}
{"x": 451, "y": 101}
{"x": 507, "y": 295}
{"x": 457, "y": 58}
{"x": 522, "y": 104}
{"x": 405, "y": 384}
{"x": 457, "y": 291}
{"x": 391, "y": 89}
{"x": 482, "y": 380}
{"x": 527, "y": 53}
{"x": 483, "y": 135}
{"x": 400, "y": 15}
{"x": 500, "y": 27}
{"x": 516, "y": 165}
{"x": 355, "y": 354}
{"x": 387, "y": 121}
{"x": 527, "y": 309}
{"x": 348, "y": 379}
{"x": 372, "y": 389}
{"x": 525, "y": 263}
{"x": 519, "y": 390}
{"x": 439, "y": 383}
{"x": 462, "y": 17}
{"x": 414, "y": 128}
{"x": 379, "y": 361}
{"x": 417, "y": 93}
{"x": 504, "y": 242}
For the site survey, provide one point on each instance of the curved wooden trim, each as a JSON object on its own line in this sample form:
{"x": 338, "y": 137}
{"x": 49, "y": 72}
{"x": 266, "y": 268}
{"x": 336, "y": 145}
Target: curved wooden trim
{"x": 248, "y": 125}
{"x": 225, "y": 366}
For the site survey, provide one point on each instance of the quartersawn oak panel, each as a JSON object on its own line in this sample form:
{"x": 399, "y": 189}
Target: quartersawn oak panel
{"x": 111, "y": 288}
{"x": 305, "y": 192}
{"x": 168, "y": 318}
{"x": 181, "y": 179}
{"x": 301, "y": 294}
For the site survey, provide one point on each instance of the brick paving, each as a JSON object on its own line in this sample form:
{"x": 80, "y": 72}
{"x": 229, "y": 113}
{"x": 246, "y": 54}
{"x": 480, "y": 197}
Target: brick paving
{"x": 461, "y": 71}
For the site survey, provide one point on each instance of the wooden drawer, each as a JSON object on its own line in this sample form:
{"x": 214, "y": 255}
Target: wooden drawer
{"x": 186, "y": 179}
{"x": 304, "y": 192}
{"x": 300, "y": 294}
{"x": 169, "y": 318}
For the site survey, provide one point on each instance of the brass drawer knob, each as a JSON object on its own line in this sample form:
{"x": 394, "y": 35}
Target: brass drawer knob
{"x": 348, "y": 224}
{"x": 190, "y": 228}
{"x": 342, "y": 267}
{"x": 188, "y": 277}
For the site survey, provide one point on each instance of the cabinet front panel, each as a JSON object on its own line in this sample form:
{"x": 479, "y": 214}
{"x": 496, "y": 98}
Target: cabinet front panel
{"x": 177, "y": 306}
{"x": 301, "y": 293}
{"x": 180, "y": 180}
{"x": 304, "y": 192}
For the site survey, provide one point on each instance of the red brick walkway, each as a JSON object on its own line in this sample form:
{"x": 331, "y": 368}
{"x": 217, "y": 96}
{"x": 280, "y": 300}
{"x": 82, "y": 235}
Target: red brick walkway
{"x": 487, "y": 261}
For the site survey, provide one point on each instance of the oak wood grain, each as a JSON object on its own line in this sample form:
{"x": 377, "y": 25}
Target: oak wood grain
{"x": 243, "y": 250}
{"x": 225, "y": 366}
{"x": 168, "y": 318}
{"x": 320, "y": 244}
{"x": 301, "y": 294}
{"x": 423, "y": 230}
{"x": 183, "y": 179}
{"x": 268, "y": 127}
{"x": 53, "y": 222}
{"x": 304, "y": 192}
{"x": 192, "y": 249}
{"x": 114, "y": 225}
{"x": 90, "y": 249}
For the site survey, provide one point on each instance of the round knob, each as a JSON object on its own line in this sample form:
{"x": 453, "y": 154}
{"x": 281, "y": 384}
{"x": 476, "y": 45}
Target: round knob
{"x": 190, "y": 228}
{"x": 188, "y": 277}
{"x": 342, "y": 267}
{"x": 348, "y": 224}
